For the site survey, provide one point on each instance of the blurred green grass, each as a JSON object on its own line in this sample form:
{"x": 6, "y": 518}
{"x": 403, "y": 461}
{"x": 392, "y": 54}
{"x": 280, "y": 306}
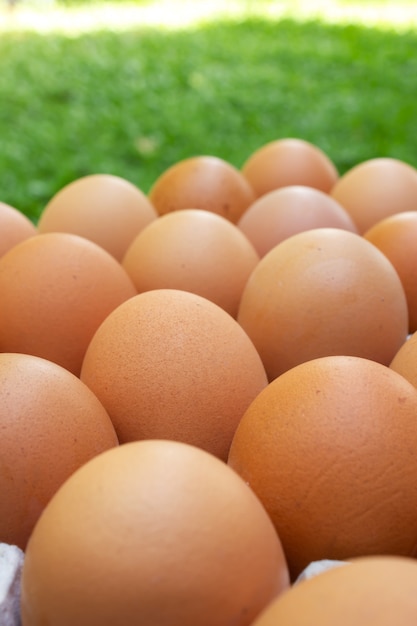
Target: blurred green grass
{"x": 132, "y": 103}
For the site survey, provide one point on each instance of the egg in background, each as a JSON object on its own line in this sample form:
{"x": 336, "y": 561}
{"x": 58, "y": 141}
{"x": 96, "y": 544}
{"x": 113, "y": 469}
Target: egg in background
{"x": 169, "y": 364}
{"x": 289, "y": 161}
{"x": 104, "y": 208}
{"x": 55, "y": 290}
{"x": 375, "y": 189}
{"x": 202, "y": 182}
{"x": 405, "y": 360}
{"x": 322, "y": 292}
{"x": 329, "y": 449}
{"x": 286, "y": 211}
{"x": 369, "y": 591}
{"x": 193, "y": 250}
{"x": 14, "y": 227}
{"x": 153, "y": 532}
{"x": 396, "y": 237}
{"x": 50, "y": 423}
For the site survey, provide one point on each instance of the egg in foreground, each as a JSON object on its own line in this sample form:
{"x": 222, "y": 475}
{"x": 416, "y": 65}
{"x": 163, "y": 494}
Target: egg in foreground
{"x": 329, "y": 449}
{"x": 152, "y": 533}
{"x": 372, "y": 591}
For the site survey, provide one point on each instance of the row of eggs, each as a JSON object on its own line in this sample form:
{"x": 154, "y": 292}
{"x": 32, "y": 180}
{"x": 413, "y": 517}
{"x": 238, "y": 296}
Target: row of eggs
{"x": 171, "y": 317}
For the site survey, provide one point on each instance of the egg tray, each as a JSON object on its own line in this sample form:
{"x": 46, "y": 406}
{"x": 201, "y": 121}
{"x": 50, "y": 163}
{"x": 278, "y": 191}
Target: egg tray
{"x": 11, "y": 564}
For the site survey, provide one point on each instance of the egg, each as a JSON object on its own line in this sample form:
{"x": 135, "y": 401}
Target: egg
{"x": 50, "y": 425}
{"x": 289, "y": 161}
{"x": 169, "y": 364}
{"x": 372, "y": 591}
{"x": 286, "y": 211}
{"x": 55, "y": 290}
{"x": 329, "y": 449}
{"x": 14, "y": 227}
{"x": 193, "y": 250}
{"x": 104, "y": 208}
{"x": 375, "y": 189}
{"x": 405, "y": 360}
{"x": 202, "y": 182}
{"x": 396, "y": 237}
{"x": 153, "y": 532}
{"x": 323, "y": 292}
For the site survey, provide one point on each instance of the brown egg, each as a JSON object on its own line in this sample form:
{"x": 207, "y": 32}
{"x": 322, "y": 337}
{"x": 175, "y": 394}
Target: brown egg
{"x": 283, "y": 212}
{"x": 193, "y": 250}
{"x": 106, "y": 209}
{"x": 14, "y": 227}
{"x": 289, "y": 161}
{"x": 329, "y": 449}
{"x": 370, "y": 591}
{"x": 321, "y": 292}
{"x": 168, "y": 364}
{"x": 396, "y": 237}
{"x": 202, "y": 182}
{"x": 153, "y": 532}
{"x": 376, "y": 189}
{"x": 55, "y": 290}
{"x": 50, "y": 425}
{"x": 405, "y": 360}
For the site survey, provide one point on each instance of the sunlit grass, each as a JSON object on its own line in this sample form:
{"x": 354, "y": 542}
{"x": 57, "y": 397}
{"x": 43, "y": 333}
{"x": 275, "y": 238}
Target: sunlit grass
{"x": 133, "y": 90}
{"x": 46, "y": 16}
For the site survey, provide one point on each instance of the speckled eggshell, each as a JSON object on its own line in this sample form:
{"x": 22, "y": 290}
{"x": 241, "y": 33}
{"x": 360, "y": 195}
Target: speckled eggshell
{"x": 55, "y": 290}
{"x": 193, "y": 250}
{"x": 376, "y": 189}
{"x": 169, "y": 364}
{"x": 153, "y": 532}
{"x": 104, "y": 208}
{"x": 289, "y": 161}
{"x": 284, "y": 212}
{"x": 14, "y": 227}
{"x": 50, "y": 424}
{"x": 321, "y": 292}
{"x": 396, "y": 237}
{"x": 202, "y": 182}
{"x": 369, "y": 591}
{"x": 329, "y": 449}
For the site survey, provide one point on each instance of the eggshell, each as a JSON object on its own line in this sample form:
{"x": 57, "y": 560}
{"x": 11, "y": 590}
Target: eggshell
{"x": 50, "y": 425}
{"x": 405, "y": 360}
{"x": 14, "y": 227}
{"x": 104, "y": 208}
{"x": 289, "y": 161}
{"x": 322, "y": 292}
{"x": 193, "y": 250}
{"x": 202, "y": 182}
{"x": 169, "y": 364}
{"x": 55, "y": 290}
{"x": 372, "y": 591}
{"x": 329, "y": 449}
{"x": 396, "y": 237}
{"x": 153, "y": 532}
{"x": 284, "y": 212}
{"x": 376, "y": 189}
